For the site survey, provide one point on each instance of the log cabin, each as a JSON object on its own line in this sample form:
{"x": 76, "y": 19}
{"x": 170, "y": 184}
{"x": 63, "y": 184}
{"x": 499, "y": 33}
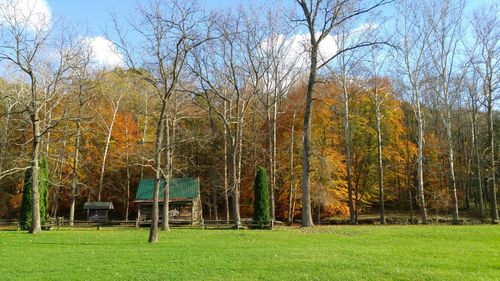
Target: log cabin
{"x": 184, "y": 201}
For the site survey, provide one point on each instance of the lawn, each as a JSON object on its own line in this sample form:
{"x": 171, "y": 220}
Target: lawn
{"x": 321, "y": 253}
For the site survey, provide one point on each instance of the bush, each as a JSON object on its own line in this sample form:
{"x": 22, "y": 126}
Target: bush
{"x": 261, "y": 199}
{"x": 25, "y": 218}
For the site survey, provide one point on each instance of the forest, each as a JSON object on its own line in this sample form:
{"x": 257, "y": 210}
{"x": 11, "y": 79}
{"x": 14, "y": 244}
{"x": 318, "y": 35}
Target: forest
{"x": 352, "y": 107}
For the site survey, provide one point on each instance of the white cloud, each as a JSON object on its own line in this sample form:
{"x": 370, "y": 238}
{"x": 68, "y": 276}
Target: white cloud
{"x": 103, "y": 53}
{"x": 34, "y": 14}
{"x": 298, "y": 54}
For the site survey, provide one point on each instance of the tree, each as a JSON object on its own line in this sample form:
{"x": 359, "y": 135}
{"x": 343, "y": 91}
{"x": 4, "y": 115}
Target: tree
{"x": 414, "y": 34}
{"x": 486, "y": 64}
{"x": 169, "y": 32}
{"x": 378, "y": 95}
{"x": 114, "y": 95}
{"x": 230, "y": 74}
{"x": 81, "y": 89}
{"x": 261, "y": 198}
{"x": 321, "y": 18}
{"x": 281, "y": 72}
{"x": 445, "y": 35}
{"x": 25, "y": 40}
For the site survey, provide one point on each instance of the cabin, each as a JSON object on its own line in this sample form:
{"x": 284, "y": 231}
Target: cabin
{"x": 98, "y": 211}
{"x": 184, "y": 201}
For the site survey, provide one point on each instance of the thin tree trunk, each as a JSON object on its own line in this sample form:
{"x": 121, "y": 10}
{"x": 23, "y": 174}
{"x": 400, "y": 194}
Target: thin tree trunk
{"x": 271, "y": 159}
{"x": 226, "y": 182}
{"x": 294, "y": 200}
{"x": 492, "y": 180}
{"x": 449, "y": 142}
{"x": 347, "y": 130}
{"x": 128, "y": 167}
{"x": 238, "y": 149}
{"x": 420, "y": 166}
{"x": 380, "y": 163}
{"x": 292, "y": 138}
{"x": 106, "y": 148}
{"x": 153, "y": 232}
{"x": 144, "y": 135}
{"x": 213, "y": 165}
{"x": 166, "y": 177}
{"x": 273, "y": 164}
{"x": 478, "y": 164}
{"x": 76, "y": 155}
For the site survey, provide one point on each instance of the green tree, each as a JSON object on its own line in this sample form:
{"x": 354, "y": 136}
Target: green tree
{"x": 26, "y": 205}
{"x": 261, "y": 198}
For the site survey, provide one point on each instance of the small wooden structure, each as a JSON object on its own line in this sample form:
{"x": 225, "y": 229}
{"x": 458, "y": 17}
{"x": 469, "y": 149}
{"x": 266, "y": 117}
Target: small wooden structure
{"x": 98, "y": 211}
{"x": 184, "y": 201}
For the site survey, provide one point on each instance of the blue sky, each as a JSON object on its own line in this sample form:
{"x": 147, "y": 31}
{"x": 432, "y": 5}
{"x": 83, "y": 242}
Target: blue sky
{"x": 94, "y": 18}
{"x": 95, "y": 14}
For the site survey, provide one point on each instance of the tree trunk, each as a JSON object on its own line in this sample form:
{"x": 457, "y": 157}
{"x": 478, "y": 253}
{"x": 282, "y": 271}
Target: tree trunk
{"x": 307, "y": 220}
{"x": 144, "y": 134}
{"x": 213, "y": 165}
{"x": 454, "y": 199}
{"x": 420, "y": 164}
{"x": 235, "y": 191}
{"x": 237, "y": 153}
{"x": 226, "y": 181}
{"x": 36, "y": 226}
{"x": 453, "y": 186}
{"x": 292, "y": 138}
{"x": 166, "y": 177}
{"x": 352, "y": 212}
{"x": 74, "y": 179}
{"x": 380, "y": 163}
{"x": 491, "y": 135}
{"x": 128, "y": 168}
{"x": 153, "y": 232}
{"x": 106, "y": 148}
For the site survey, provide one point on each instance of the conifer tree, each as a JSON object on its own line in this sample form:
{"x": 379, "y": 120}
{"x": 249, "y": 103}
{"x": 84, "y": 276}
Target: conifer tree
{"x": 261, "y": 198}
{"x": 25, "y": 219}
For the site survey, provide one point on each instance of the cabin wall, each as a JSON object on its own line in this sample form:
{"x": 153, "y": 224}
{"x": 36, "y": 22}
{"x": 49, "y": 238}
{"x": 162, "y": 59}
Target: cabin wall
{"x": 190, "y": 211}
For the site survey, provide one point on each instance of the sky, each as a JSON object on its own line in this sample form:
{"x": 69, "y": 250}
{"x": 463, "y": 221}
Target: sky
{"x": 96, "y": 13}
{"x": 94, "y": 18}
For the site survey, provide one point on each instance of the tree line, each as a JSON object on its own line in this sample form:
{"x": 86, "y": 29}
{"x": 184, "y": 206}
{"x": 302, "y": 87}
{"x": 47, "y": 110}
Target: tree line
{"x": 348, "y": 110}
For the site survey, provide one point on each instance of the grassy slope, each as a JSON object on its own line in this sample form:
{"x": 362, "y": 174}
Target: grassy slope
{"x": 326, "y": 253}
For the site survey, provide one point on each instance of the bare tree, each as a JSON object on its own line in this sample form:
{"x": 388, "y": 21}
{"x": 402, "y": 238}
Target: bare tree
{"x": 281, "y": 72}
{"x": 411, "y": 62}
{"x": 25, "y": 40}
{"x": 169, "y": 31}
{"x": 230, "y": 74}
{"x": 378, "y": 95}
{"x": 473, "y": 108}
{"x": 445, "y": 36}
{"x": 486, "y": 63}
{"x": 81, "y": 89}
{"x": 114, "y": 100}
{"x": 321, "y": 18}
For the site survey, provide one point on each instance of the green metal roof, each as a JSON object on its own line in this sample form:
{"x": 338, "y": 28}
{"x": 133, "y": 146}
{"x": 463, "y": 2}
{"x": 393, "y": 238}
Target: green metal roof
{"x": 180, "y": 188}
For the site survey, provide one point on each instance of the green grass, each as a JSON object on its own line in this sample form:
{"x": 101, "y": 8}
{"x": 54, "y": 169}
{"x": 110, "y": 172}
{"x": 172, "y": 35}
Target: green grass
{"x": 323, "y": 253}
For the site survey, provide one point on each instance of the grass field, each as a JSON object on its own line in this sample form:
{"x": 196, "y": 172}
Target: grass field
{"x": 322, "y": 253}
